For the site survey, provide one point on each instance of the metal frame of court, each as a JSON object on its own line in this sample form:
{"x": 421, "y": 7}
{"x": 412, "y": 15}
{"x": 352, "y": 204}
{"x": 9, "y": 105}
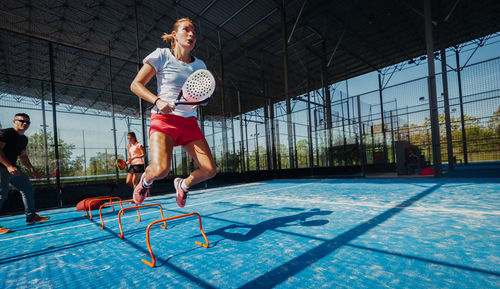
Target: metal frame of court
{"x": 262, "y": 52}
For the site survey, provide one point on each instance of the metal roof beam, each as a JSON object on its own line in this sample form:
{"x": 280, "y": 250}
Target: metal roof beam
{"x": 362, "y": 39}
{"x": 335, "y": 49}
{"x": 383, "y": 32}
{"x": 206, "y": 8}
{"x": 235, "y": 14}
{"x": 71, "y": 20}
{"x": 271, "y": 30}
{"x": 296, "y": 21}
{"x": 64, "y": 44}
{"x": 257, "y": 22}
{"x": 451, "y": 11}
{"x": 197, "y": 16}
{"x": 418, "y": 12}
{"x": 343, "y": 48}
{"x": 358, "y": 57}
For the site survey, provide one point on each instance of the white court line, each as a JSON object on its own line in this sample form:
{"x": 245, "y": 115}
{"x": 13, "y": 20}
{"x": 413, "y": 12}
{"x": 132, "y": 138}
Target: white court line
{"x": 194, "y": 193}
{"x": 391, "y": 205}
{"x": 201, "y": 192}
{"x": 133, "y": 216}
{"x": 231, "y": 187}
{"x": 455, "y": 211}
{"x": 259, "y": 192}
{"x": 313, "y": 201}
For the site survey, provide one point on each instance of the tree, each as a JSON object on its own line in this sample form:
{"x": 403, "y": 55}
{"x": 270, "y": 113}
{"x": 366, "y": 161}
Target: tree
{"x": 38, "y": 156}
{"x": 494, "y": 122}
{"x": 302, "y": 148}
{"x": 285, "y": 160}
{"x": 479, "y": 136}
{"x": 101, "y": 164}
{"x": 262, "y": 158}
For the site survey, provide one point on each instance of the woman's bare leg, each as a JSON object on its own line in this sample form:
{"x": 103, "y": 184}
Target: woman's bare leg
{"x": 135, "y": 178}
{"x": 129, "y": 180}
{"x": 200, "y": 152}
{"x": 161, "y": 154}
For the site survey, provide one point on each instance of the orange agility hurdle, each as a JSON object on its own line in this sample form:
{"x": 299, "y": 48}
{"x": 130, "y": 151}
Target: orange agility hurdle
{"x": 121, "y": 212}
{"x": 100, "y": 199}
{"x": 115, "y": 203}
{"x": 153, "y": 263}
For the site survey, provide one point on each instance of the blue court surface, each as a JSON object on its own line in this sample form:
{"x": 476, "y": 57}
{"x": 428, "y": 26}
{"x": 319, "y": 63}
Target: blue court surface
{"x": 310, "y": 233}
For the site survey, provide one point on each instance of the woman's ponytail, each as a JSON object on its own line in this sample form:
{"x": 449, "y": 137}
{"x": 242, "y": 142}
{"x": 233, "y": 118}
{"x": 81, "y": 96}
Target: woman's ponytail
{"x": 166, "y": 37}
{"x": 169, "y": 37}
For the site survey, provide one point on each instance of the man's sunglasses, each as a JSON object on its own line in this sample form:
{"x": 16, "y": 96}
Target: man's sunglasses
{"x": 23, "y": 121}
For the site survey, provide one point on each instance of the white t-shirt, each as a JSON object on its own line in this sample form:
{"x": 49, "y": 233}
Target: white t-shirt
{"x": 171, "y": 73}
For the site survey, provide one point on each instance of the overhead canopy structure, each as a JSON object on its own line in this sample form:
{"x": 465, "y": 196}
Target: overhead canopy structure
{"x": 243, "y": 42}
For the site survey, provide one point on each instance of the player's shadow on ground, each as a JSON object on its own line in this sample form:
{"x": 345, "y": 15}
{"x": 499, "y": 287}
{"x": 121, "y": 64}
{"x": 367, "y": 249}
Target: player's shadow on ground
{"x": 272, "y": 224}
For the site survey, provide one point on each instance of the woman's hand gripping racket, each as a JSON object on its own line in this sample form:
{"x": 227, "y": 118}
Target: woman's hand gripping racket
{"x": 198, "y": 88}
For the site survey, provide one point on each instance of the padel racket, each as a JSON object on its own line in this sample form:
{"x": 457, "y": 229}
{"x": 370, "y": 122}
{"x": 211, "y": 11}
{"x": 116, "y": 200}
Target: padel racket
{"x": 121, "y": 164}
{"x": 198, "y": 88}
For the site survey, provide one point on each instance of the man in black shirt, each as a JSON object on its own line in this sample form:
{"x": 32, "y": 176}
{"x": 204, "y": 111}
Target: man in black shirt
{"x": 13, "y": 144}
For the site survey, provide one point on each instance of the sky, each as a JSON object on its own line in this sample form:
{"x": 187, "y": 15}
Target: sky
{"x": 369, "y": 81}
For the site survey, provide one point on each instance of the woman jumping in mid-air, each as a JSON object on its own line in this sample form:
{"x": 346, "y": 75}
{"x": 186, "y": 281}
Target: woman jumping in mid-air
{"x": 172, "y": 125}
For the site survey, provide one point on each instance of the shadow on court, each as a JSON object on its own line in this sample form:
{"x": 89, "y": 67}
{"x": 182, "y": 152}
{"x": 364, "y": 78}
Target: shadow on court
{"x": 272, "y": 224}
{"x": 49, "y": 223}
{"x": 111, "y": 235}
{"x": 441, "y": 263}
{"x": 299, "y": 263}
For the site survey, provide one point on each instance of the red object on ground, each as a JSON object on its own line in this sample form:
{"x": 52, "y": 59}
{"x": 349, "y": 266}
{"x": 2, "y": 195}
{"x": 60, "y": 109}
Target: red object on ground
{"x": 427, "y": 171}
{"x": 83, "y": 205}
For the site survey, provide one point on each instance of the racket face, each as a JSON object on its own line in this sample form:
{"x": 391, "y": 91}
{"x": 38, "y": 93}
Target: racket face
{"x": 199, "y": 86}
{"x": 120, "y": 164}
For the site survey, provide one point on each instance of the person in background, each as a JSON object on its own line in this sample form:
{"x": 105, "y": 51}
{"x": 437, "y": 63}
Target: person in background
{"x": 13, "y": 144}
{"x": 135, "y": 160}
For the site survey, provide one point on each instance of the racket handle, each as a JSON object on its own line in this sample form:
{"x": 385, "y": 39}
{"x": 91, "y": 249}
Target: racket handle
{"x": 192, "y": 103}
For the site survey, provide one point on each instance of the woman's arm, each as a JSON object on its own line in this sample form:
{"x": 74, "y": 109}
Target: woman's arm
{"x": 129, "y": 155}
{"x": 138, "y": 86}
{"x": 142, "y": 152}
{"x": 136, "y": 157}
